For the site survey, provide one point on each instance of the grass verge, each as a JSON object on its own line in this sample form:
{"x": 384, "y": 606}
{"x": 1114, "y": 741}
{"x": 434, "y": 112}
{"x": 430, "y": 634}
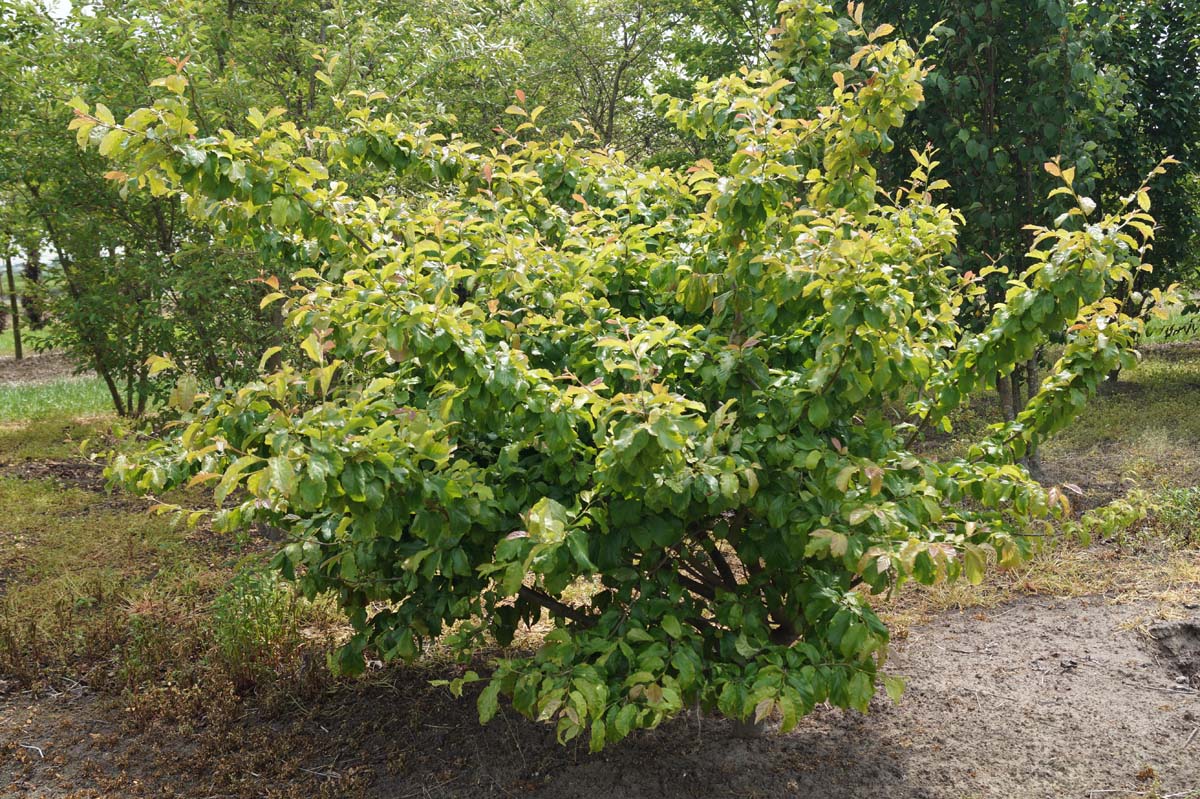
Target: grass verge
{"x": 95, "y": 589}
{"x": 63, "y": 398}
{"x": 8, "y": 346}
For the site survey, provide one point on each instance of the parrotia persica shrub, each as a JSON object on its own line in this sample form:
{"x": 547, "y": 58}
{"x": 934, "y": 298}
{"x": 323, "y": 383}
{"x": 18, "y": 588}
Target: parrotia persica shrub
{"x": 672, "y": 413}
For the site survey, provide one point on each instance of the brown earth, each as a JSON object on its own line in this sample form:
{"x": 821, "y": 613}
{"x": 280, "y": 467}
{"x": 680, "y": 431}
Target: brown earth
{"x": 1037, "y": 698}
{"x": 39, "y": 368}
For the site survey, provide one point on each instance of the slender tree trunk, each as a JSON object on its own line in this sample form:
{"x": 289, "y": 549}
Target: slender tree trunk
{"x": 1014, "y": 382}
{"x": 113, "y": 391}
{"x": 1033, "y": 376}
{"x": 93, "y": 339}
{"x": 143, "y": 395}
{"x": 33, "y": 278}
{"x": 16, "y": 312}
{"x": 1033, "y": 383}
{"x": 1004, "y": 392}
{"x": 275, "y": 362}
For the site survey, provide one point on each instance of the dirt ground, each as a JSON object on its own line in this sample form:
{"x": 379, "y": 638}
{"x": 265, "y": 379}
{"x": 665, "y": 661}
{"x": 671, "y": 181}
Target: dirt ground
{"x": 1037, "y": 698}
{"x": 35, "y": 368}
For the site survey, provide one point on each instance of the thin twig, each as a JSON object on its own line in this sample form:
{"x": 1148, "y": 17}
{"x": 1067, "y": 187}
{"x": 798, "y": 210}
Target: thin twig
{"x": 1161, "y": 690}
{"x": 37, "y": 749}
{"x": 425, "y": 789}
{"x": 994, "y": 696}
{"x": 1189, "y": 739}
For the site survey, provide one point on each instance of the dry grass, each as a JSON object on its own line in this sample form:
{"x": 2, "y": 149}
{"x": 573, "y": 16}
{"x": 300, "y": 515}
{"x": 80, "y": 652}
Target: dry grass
{"x": 1164, "y": 575}
{"x": 1138, "y": 445}
{"x": 95, "y": 590}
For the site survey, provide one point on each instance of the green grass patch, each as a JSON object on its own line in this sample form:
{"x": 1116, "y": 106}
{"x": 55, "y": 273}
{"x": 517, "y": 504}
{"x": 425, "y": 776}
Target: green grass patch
{"x": 1142, "y": 433}
{"x": 66, "y": 397}
{"x": 48, "y": 439}
{"x": 1154, "y": 399}
{"x": 69, "y": 564}
{"x": 95, "y": 587}
{"x": 29, "y": 338}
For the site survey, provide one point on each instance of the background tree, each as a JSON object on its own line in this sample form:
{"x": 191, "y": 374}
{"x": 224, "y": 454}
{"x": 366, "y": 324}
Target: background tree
{"x": 18, "y": 298}
{"x": 12, "y": 312}
{"x": 1150, "y": 52}
{"x": 1014, "y": 85}
{"x": 21, "y": 26}
{"x": 132, "y": 275}
{"x": 1111, "y": 87}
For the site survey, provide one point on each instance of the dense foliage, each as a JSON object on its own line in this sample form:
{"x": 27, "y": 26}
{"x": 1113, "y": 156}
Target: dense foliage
{"x": 132, "y": 275}
{"x": 674, "y": 411}
{"x": 1014, "y": 85}
{"x": 1108, "y": 86}
{"x": 1151, "y": 51}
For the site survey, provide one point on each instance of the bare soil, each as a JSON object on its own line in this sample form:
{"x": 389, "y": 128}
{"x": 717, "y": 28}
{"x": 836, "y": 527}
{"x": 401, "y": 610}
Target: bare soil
{"x": 38, "y": 368}
{"x": 84, "y": 475}
{"x": 1037, "y": 698}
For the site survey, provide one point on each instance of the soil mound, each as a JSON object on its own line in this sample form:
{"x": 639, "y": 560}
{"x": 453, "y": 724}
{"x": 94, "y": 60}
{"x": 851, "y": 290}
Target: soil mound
{"x": 1180, "y": 644}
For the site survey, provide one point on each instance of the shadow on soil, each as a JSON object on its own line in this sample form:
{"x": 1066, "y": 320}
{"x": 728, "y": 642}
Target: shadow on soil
{"x": 1037, "y": 698}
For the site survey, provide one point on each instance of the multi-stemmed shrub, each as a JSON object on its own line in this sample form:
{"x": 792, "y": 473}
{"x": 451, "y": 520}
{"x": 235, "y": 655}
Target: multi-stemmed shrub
{"x": 674, "y": 413}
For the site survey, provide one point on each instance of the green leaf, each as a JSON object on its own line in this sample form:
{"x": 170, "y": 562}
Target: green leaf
{"x": 577, "y": 540}
{"x": 312, "y": 348}
{"x": 267, "y": 355}
{"x": 894, "y": 686}
{"x": 283, "y": 476}
{"x": 625, "y": 720}
{"x": 843, "y": 478}
{"x": 232, "y": 476}
{"x": 313, "y": 167}
{"x": 283, "y": 211}
{"x": 489, "y": 702}
{"x": 111, "y": 142}
{"x": 818, "y": 412}
{"x": 547, "y": 521}
{"x": 598, "y": 736}
{"x": 860, "y": 515}
{"x": 672, "y": 626}
{"x": 973, "y": 564}
{"x": 159, "y": 364}
{"x": 638, "y": 636}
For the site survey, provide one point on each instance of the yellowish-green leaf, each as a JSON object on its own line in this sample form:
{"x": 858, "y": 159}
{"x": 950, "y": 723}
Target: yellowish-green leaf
{"x": 111, "y": 142}
{"x": 312, "y": 348}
